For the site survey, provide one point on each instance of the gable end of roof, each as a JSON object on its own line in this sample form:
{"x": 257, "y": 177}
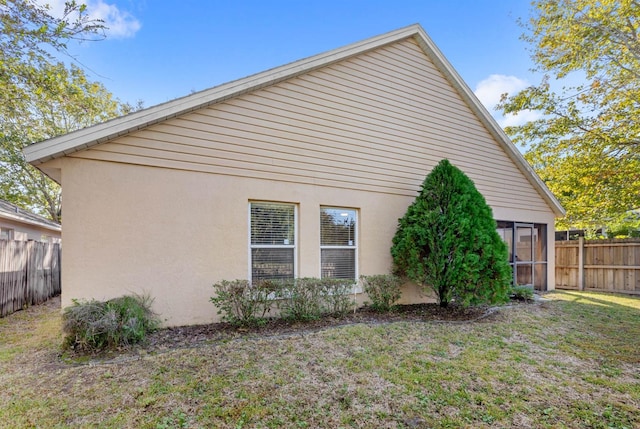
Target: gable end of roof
{"x": 85, "y": 138}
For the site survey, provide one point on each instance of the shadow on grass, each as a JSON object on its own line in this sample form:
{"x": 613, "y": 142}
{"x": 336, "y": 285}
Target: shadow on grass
{"x": 601, "y": 299}
{"x": 605, "y": 325}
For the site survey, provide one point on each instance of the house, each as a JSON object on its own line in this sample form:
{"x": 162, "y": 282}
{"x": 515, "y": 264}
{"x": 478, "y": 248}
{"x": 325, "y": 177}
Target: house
{"x": 298, "y": 171}
{"x": 21, "y": 225}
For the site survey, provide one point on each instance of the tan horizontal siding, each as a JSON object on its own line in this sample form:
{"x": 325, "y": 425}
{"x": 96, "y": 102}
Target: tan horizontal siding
{"x": 261, "y": 161}
{"x": 242, "y": 140}
{"x": 413, "y": 145}
{"x": 206, "y": 135}
{"x": 144, "y": 160}
{"x": 378, "y": 122}
{"x": 422, "y": 92}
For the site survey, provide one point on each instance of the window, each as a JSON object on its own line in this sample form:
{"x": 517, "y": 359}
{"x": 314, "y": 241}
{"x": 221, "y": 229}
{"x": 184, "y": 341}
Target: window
{"x": 338, "y": 248}
{"x": 272, "y": 240}
{"x": 7, "y": 234}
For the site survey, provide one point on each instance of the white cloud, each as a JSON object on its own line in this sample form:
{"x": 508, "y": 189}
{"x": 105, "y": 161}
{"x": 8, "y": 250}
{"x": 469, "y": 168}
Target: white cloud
{"x": 491, "y": 89}
{"x": 119, "y": 23}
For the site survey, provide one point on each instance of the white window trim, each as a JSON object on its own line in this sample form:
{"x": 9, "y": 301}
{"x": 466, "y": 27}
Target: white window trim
{"x": 357, "y": 285}
{"x": 293, "y": 246}
{"x": 10, "y": 233}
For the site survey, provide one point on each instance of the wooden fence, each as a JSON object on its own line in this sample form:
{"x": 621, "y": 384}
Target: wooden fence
{"x": 29, "y": 274}
{"x": 599, "y": 265}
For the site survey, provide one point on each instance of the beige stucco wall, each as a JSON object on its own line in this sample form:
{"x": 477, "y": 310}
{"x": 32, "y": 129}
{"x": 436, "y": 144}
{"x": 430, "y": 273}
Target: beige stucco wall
{"x": 172, "y": 233}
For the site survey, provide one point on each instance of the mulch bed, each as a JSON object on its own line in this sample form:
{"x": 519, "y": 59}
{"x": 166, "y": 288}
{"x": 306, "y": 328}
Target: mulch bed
{"x": 191, "y": 336}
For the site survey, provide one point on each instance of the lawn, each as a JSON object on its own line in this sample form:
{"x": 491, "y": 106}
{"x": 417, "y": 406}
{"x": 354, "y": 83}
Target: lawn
{"x": 573, "y": 362}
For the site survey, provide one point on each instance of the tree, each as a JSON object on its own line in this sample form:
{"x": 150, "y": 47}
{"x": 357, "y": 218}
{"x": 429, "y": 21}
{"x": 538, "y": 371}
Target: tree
{"x": 586, "y": 145}
{"x": 40, "y": 97}
{"x": 447, "y": 240}
{"x": 64, "y": 100}
{"x": 29, "y": 36}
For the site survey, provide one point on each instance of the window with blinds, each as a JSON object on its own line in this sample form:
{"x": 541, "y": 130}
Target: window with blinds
{"x": 338, "y": 243}
{"x": 273, "y": 241}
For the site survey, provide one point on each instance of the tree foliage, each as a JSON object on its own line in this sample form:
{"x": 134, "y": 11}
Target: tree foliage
{"x": 447, "y": 240}
{"x": 64, "y": 100}
{"x": 586, "y": 145}
{"x": 29, "y": 38}
{"x": 41, "y": 97}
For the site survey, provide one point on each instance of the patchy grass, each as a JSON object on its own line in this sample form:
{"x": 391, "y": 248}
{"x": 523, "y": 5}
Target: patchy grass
{"x": 570, "y": 362}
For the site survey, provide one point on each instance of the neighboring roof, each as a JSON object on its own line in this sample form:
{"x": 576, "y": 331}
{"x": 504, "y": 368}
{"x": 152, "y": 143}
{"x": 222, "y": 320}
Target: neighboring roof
{"x": 85, "y": 138}
{"x": 15, "y": 213}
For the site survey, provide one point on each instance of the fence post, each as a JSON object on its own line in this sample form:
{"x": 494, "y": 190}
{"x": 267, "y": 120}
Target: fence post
{"x": 580, "y": 263}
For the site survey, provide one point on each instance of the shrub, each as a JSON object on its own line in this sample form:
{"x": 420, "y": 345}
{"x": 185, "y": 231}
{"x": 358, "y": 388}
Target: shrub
{"x": 337, "y": 296}
{"x": 246, "y": 304}
{"x": 97, "y": 325}
{"x": 309, "y": 298}
{"x": 447, "y": 240}
{"x": 242, "y": 303}
{"x": 301, "y": 299}
{"x": 383, "y": 290}
{"x": 521, "y": 293}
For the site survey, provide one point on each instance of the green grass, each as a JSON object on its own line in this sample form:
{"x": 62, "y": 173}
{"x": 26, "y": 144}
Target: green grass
{"x": 571, "y": 362}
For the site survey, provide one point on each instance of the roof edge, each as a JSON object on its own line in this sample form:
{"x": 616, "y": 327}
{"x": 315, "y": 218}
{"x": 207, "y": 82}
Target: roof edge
{"x": 57, "y": 227}
{"x": 34, "y": 223}
{"x": 85, "y": 138}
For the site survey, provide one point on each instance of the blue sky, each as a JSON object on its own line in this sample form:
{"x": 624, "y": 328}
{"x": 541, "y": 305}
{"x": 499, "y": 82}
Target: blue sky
{"x": 160, "y": 50}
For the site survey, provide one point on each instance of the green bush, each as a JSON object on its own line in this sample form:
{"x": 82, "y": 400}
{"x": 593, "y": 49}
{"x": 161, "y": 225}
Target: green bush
{"x": 521, "y": 293}
{"x": 310, "y": 298}
{"x": 337, "y": 296}
{"x": 98, "y": 325}
{"x": 447, "y": 240}
{"x": 301, "y": 299}
{"x": 242, "y": 303}
{"x": 245, "y": 304}
{"x": 383, "y": 290}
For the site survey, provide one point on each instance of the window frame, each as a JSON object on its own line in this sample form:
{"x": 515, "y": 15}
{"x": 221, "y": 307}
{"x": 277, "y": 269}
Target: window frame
{"x": 252, "y": 246}
{"x": 9, "y": 232}
{"x": 354, "y": 247}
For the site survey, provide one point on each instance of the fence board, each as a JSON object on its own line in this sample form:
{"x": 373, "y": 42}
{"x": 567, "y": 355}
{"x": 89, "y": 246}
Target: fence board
{"x": 607, "y": 265}
{"x": 29, "y": 274}
{"x": 567, "y": 272}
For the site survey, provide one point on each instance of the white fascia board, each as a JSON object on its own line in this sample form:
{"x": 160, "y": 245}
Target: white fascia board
{"x": 20, "y": 219}
{"x": 87, "y": 137}
{"x": 485, "y": 117}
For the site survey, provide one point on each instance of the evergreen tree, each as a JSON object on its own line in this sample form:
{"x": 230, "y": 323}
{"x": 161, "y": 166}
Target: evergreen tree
{"x": 447, "y": 240}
